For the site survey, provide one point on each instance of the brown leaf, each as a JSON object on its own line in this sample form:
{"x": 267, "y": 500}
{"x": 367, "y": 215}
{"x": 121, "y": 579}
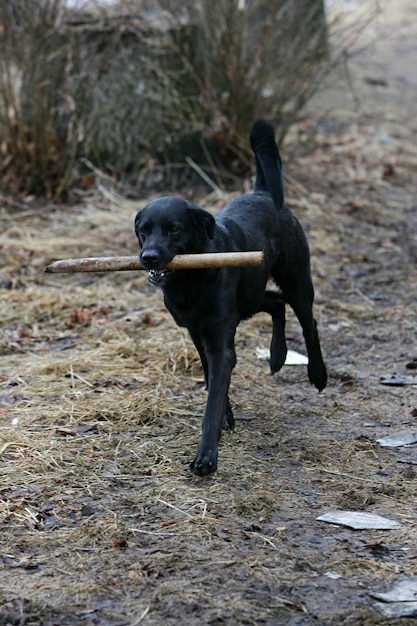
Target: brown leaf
{"x": 77, "y": 429}
{"x": 81, "y": 316}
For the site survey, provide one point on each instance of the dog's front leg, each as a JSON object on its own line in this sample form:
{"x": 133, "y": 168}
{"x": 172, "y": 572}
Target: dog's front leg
{"x": 220, "y": 366}
{"x": 228, "y": 422}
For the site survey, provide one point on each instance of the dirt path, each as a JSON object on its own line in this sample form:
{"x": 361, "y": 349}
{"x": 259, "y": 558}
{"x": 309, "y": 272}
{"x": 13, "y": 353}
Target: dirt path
{"x": 101, "y": 396}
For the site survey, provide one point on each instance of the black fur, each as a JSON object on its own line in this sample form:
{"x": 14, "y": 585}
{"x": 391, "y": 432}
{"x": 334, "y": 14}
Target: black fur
{"x": 210, "y": 303}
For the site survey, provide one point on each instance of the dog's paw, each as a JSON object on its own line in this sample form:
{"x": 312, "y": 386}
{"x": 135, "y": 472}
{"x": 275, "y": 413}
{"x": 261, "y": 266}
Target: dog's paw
{"x": 205, "y": 462}
{"x": 277, "y": 360}
{"x": 317, "y": 375}
{"x": 278, "y": 353}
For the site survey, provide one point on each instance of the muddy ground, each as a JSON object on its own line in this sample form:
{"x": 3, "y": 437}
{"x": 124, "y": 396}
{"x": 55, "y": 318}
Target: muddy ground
{"x": 101, "y": 399}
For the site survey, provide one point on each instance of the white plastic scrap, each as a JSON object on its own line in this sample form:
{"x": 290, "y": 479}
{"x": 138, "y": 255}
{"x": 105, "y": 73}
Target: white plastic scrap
{"x": 398, "y": 439}
{"x": 359, "y": 520}
{"x": 293, "y": 357}
{"x": 399, "y": 601}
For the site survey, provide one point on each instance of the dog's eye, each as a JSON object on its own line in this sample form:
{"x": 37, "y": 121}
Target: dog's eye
{"x": 143, "y": 230}
{"x": 174, "y": 228}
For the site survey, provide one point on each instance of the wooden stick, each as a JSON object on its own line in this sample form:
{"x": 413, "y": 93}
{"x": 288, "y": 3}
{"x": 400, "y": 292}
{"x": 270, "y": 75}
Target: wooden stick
{"x": 179, "y": 262}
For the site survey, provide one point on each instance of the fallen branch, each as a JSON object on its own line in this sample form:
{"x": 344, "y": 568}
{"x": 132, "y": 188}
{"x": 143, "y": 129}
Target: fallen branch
{"x": 179, "y": 262}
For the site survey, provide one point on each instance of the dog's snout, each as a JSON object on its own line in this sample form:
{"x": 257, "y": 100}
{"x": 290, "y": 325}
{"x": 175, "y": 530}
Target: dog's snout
{"x": 150, "y": 259}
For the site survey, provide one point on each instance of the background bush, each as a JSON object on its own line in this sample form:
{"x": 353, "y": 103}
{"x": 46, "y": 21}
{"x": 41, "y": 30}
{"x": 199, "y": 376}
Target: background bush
{"x": 138, "y": 86}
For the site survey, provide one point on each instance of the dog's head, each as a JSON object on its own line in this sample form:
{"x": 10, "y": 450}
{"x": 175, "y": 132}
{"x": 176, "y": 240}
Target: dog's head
{"x": 170, "y": 226}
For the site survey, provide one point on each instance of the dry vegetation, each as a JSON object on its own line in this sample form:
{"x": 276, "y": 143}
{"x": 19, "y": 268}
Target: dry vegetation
{"x": 101, "y": 396}
{"x": 134, "y": 87}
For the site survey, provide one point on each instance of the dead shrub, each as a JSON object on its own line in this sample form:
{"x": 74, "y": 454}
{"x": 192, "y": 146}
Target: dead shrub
{"x": 35, "y": 115}
{"x": 138, "y": 86}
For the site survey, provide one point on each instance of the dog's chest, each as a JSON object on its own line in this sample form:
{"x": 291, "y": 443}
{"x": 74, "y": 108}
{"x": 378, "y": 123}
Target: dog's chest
{"x": 184, "y": 306}
{"x": 194, "y": 304}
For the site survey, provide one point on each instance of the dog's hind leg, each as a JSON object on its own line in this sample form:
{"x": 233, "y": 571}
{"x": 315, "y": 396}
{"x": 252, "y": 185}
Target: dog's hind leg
{"x": 202, "y": 354}
{"x": 228, "y": 417}
{"x": 274, "y": 304}
{"x": 300, "y": 298}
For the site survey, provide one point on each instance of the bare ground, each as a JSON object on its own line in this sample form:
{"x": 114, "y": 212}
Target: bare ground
{"x": 101, "y": 400}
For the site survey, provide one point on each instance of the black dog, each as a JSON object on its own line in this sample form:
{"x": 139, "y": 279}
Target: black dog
{"x": 210, "y": 303}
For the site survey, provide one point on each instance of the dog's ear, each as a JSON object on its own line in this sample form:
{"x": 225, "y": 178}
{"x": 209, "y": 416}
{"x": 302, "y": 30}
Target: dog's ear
{"x": 203, "y": 220}
{"x": 138, "y": 218}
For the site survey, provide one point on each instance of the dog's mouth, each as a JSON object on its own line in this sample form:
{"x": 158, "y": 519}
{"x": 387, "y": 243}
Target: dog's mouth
{"x": 158, "y": 277}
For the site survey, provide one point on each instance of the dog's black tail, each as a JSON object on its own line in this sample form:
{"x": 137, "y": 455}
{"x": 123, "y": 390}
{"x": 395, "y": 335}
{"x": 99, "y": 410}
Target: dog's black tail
{"x": 268, "y": 161}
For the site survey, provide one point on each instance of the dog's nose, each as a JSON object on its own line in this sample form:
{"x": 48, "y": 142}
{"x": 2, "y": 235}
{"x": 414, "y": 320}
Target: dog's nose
{"x": 149, "y": 259}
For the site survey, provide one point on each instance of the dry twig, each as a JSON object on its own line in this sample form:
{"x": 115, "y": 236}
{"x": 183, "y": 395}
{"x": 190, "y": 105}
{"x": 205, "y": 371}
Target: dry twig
{"x": 181, "y": 261}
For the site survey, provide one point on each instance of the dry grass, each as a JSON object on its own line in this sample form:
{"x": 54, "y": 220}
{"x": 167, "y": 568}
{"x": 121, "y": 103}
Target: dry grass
{"x": 101, "y": 399}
